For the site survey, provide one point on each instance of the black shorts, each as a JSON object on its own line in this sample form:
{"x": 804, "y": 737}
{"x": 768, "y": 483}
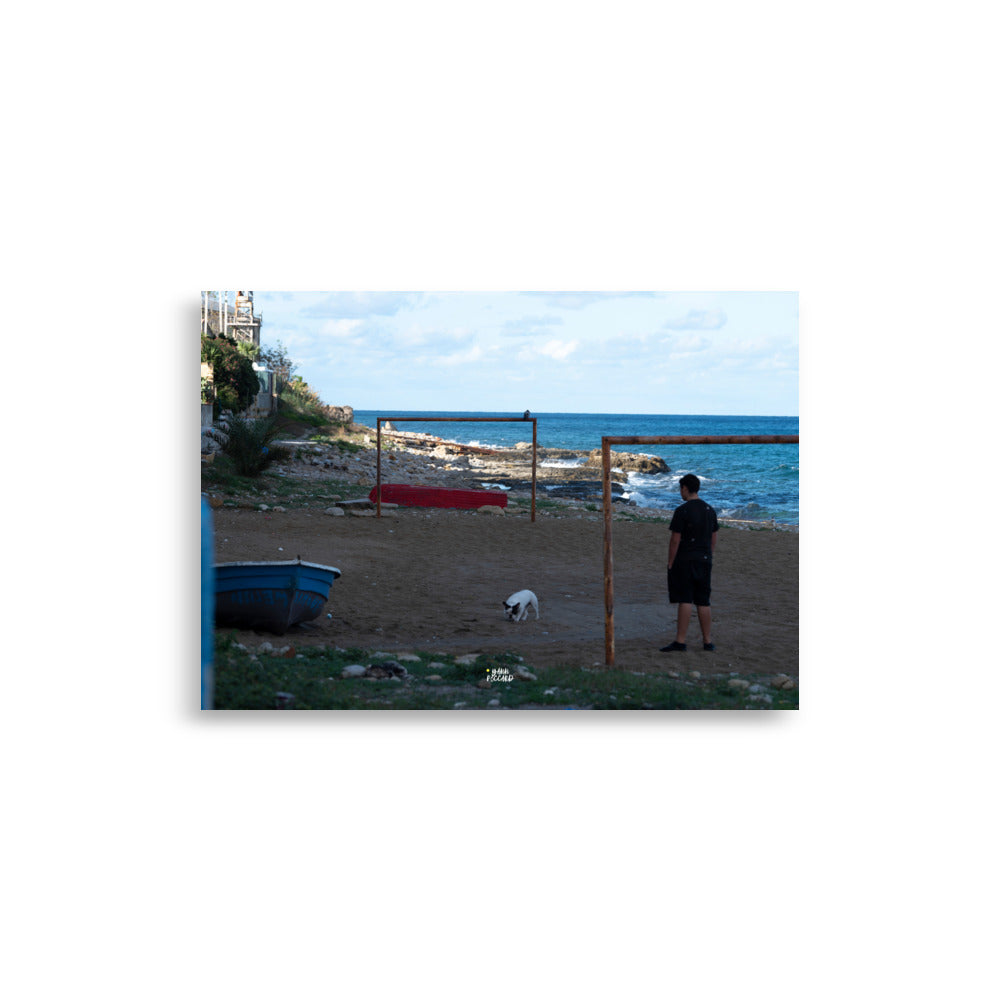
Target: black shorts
{"x": 690, "y": 581}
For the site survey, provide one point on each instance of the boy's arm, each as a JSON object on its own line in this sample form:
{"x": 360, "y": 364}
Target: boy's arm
{"x": 675, "y": 544}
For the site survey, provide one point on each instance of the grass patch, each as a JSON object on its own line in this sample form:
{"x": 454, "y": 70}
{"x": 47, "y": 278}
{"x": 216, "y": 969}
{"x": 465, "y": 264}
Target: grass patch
{"x": 221, "y": 477}
{"x": 344, "y": 445}
{"x": 247, "y": 679}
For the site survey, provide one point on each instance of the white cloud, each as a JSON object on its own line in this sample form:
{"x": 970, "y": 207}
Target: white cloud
{"x": 528, "y": 325}
{"x": 356, "y": 305}
{"x": 698, "y": 319}
{"x": 692, "y": 343}
{"x": 580, "y": 300}
{"x": 342, "y": 329}
{"x": 557, "y": 350}
{"x": 471, "y": 355}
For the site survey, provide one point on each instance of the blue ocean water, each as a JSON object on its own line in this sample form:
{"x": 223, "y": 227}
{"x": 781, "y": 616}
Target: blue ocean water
{"x": 754, "y": 482}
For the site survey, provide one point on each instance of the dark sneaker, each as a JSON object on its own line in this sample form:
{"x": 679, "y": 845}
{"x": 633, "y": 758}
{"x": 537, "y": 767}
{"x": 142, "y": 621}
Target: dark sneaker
{"x": 674, "y": 647}
{"x": 709, "y": 647}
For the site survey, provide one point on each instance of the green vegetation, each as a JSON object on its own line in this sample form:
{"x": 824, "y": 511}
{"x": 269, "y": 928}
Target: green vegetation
{"x": 234, "y": 380}
{"x": 250, "y": 447}
{"x": 246, "y": 679}
{"x": 299, "y": 403}
{"x": 277, "y": 360}
{"x": 343, "y": 445}
{"x": 221, "y": 477}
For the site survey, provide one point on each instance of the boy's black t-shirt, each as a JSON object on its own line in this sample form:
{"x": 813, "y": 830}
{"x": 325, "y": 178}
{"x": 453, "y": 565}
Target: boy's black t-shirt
{"x": 696, "y": 522}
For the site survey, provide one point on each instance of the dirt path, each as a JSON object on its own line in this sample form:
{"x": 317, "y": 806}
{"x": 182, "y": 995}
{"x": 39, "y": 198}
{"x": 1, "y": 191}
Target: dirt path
{"x": 436, "y": 580}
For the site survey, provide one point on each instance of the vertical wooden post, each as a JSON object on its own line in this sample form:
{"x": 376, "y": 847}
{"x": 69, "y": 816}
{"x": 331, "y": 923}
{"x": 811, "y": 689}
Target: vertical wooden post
{"x": 609, "y": 587}
{"x": 606, "y": 442}
{"x": 534, "y": 462}
{"x": 378, "y": 467}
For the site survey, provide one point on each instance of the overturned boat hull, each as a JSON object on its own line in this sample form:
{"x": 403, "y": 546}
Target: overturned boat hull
{"x": 270, "y": 596}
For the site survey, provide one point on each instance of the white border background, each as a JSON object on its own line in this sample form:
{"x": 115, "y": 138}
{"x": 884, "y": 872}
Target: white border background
{"x": 838, "y": 851}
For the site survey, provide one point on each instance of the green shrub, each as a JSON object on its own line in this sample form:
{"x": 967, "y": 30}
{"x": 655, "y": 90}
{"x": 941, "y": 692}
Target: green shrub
{"x": 235, "y": 381}
{"x": 299, "y": 401}
{"x": 249, "y": 445}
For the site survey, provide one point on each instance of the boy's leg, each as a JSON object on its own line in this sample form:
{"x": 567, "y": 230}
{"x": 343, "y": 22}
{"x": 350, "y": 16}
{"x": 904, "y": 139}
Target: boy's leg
{"x": 705, "y": 621}
{"x": 683, "y": 620}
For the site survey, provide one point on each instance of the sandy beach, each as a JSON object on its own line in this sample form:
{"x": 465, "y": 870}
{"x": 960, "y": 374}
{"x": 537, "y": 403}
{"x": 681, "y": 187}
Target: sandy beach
{"x": 435, "y": 580}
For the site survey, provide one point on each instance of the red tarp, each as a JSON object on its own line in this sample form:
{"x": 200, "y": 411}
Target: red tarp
{"x": 436, "y": 496}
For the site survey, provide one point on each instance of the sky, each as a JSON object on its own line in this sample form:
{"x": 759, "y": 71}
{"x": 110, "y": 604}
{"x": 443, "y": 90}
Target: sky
{"x": 588, "y": 352}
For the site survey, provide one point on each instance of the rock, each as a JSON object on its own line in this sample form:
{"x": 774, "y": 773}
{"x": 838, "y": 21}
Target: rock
{"x": 387, "y": 668}
{"x": 584, "y": 489}
{"x": 524, "y": 675}
{"x": 334, "y": 511}
{"x": 483, "y": 683}
{"x": 283, "y": 699}
{"x": 493, "y": 703}
{"x": 362, "y": 503}
{"x": 340, "y": 414}
{"x": 695, "y": 675}
{"x": 354, "y": 670}
{"x": 489, "y": 509}
{"x": 651, "y": 465}
{"x": 467, "y": 660}
{"x": 739, "y": 685}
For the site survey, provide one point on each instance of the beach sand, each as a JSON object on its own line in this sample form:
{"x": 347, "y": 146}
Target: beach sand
{"x": 434, "y": 580}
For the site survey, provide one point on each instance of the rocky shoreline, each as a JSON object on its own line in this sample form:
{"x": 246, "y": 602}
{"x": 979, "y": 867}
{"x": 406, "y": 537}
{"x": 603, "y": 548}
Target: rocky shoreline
{"x": 563, "y": 476}
{"x": 431, "y": 460}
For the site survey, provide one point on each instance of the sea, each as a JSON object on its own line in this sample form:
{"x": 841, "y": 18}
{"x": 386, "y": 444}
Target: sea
{"x": 745, "y": 482}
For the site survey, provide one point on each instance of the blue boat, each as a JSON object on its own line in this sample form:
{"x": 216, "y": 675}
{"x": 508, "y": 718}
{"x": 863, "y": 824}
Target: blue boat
{"x": 270, "y": 596}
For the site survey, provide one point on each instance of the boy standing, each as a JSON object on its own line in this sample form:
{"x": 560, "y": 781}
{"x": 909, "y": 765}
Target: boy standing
{"x": 693, "y": 531}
